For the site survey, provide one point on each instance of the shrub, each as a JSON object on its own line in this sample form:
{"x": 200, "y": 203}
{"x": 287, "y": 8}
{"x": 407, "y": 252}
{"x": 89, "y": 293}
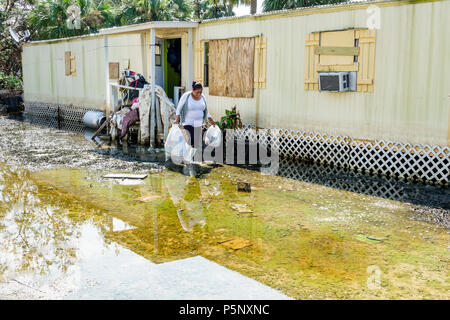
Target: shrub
{"x": 10, "y": 82}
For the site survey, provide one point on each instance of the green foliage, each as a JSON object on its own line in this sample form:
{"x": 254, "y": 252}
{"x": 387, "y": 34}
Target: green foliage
{"x": 211, "y": 9}
{"x": 231, "y": 120}
{"x": 12, "y": 14}
{"x": 271, "y": 5}
{"x": 48, "y": 18}
{"x": 137, "y": 11}
{"x": 10, "y": 82}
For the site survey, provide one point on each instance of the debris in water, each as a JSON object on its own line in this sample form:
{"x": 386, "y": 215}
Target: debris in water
{"x": 243, "y": 186}
{"x": 236, "y": 243}
{"x": 373, "y": 238}
{"x": 368, "y": 238}
{"x": 125, "y": 176}
{"x": 241, "y": 208}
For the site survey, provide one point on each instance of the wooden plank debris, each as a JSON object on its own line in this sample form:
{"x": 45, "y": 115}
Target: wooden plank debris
{"x": 236, "y": 243}
{"x": 125, "y": 176}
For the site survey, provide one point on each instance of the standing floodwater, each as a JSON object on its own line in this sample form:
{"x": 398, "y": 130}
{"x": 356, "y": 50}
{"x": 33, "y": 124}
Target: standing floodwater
{"x": 66, "y": 231}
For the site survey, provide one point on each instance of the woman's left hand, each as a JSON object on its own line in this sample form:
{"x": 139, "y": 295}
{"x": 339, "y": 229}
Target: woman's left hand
{"x": 212, "y": 121}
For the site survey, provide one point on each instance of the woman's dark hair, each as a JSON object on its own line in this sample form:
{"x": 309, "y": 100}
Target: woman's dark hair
{"x": 196, "y": 85}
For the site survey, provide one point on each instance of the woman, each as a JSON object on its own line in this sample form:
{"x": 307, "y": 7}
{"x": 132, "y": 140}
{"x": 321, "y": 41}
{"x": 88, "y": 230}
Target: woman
{"x": 193, "y": 112}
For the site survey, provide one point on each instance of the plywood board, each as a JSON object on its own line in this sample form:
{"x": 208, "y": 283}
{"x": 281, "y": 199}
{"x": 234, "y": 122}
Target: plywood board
{"x": 337, "y": 51}
{"x": 217, "y": 67}
{"x": 337, "y": 39}
{"x": 231, "y": 67}
{"x": 240, "y": 61}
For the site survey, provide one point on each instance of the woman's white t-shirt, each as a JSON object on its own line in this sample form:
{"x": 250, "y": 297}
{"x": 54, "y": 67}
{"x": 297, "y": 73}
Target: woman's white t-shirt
{"x": 194, "y": 112}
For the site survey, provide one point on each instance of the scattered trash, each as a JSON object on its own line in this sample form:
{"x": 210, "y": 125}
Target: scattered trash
{"x": 241, "y": 208}
{"x": 243, "y": 186}
{"x": 236, "y": 243}
{"x": 125, "y": 176}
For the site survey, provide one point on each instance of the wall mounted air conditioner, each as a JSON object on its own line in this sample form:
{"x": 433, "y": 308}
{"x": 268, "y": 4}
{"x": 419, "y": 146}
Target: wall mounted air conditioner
{"x": 334, "y": 81}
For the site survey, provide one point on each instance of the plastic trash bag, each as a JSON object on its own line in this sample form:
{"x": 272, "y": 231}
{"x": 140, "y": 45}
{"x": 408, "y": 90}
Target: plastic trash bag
{"x": 176, "y": 146}
{"x": 213, "y": 136}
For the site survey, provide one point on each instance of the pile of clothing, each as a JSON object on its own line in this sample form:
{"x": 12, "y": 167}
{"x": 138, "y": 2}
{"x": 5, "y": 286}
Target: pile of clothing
{"x": 124, "y": 118}
{"x": 135, "y": 107}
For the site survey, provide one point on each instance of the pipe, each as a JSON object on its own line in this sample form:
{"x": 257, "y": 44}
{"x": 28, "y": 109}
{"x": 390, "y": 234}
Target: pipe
{"x": 94, "y": 119}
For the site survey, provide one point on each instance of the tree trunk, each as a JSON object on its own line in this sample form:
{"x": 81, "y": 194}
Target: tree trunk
{"x": 253, "y": 6}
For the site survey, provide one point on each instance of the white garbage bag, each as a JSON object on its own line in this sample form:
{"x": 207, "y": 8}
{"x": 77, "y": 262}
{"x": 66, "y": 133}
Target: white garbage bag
{"x": 213, "y": 136}
{"x": 176, "y": 146}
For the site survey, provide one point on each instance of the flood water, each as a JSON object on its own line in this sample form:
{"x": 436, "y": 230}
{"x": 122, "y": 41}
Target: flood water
{"x": 66, "y": 232}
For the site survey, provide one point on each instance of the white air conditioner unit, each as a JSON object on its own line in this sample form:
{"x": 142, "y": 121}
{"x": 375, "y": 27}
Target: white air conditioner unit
{"x": 334, "y": 81}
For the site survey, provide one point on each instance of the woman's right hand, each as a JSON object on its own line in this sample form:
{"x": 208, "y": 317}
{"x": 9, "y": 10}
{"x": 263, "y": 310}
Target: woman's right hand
{"x": 177, "y": 120}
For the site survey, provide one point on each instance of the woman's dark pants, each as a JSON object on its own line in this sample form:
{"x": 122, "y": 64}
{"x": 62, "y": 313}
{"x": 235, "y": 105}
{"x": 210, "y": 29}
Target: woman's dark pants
{"x": 196, "y": 140}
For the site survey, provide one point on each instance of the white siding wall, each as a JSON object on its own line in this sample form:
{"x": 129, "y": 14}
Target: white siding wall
{"x": 410, "y": 102}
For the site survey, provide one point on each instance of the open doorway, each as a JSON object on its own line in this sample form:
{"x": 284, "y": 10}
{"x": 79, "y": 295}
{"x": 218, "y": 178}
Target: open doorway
{"x": 172, "y": 65}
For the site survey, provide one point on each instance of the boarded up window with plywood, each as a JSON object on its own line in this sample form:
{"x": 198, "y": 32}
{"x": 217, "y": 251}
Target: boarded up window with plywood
{"x": 70, "y": 65}
{"x": 334, "y": 51}
{"x": 231, "y": 67}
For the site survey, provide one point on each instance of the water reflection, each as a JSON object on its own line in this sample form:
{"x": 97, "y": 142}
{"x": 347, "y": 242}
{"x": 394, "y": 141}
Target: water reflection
{"x": 55, "y": 245}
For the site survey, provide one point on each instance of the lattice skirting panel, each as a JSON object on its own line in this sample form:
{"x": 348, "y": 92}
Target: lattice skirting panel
{"x": 57, "y": 115}
{"x": 407, "y": 161}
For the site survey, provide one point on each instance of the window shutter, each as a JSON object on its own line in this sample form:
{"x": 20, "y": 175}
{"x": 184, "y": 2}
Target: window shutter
{"x": 67, "y": 62}
{"x": 311, "y": 61}
{"x": 260, "y": 62}
{"x": 366, "y": 59}
{"x": 73, "y": 70}
{"x": 199, "y": 52}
